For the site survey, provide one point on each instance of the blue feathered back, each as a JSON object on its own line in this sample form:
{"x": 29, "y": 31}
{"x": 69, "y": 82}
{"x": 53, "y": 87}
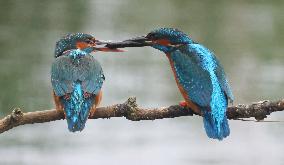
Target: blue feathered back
{"x": 200, "y": 74}
{"x": 73, "y": 74}
{"x": 201, "y": 77}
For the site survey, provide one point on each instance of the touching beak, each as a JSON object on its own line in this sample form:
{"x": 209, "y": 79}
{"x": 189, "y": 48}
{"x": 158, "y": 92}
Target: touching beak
{"x": 101, "y": 46}
{"x": 134, "y": 42}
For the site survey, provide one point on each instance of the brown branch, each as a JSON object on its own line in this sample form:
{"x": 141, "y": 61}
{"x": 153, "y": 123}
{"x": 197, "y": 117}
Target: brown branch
{"x": 131, "y": 111}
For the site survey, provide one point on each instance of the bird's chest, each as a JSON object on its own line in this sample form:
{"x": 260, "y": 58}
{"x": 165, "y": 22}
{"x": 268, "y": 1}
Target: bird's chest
{"x": 181, "y": 71}
{"x": 189, "y": 72}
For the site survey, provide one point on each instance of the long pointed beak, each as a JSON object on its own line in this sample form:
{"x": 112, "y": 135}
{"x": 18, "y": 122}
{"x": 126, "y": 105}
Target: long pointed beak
{"x": 134, "y": 42}
{"x": 101, "y": 46}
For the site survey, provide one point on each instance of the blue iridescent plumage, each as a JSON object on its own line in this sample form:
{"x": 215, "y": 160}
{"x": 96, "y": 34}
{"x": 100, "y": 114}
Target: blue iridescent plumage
{"x": 77, "y": 77}
{"x": 200, "y": 75}
{"x": 74, "y": 73}
{"x": 77, "y": 108}
{"x": 69, "y": 42}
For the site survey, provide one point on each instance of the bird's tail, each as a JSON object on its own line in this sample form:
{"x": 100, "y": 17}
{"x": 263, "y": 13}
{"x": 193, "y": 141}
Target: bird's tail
{"x": 215, "y": 128}
{"x": 77, "y": 108}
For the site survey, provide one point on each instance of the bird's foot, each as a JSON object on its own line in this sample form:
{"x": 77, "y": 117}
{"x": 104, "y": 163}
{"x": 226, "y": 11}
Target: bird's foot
{"x": 190, "y": 106}
{"x": 183, "y": 104}
{"x": 67, "y": 97}
{"x": 87, "y": 95}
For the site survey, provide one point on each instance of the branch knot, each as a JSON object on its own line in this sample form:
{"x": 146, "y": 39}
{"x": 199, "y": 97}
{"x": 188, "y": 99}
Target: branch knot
{"x": 131, "y": 109}
{"x": 16, "y": 115}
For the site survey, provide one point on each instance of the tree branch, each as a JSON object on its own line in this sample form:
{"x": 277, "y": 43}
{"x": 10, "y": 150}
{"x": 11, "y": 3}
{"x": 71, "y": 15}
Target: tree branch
{"x": 131, "y": 111}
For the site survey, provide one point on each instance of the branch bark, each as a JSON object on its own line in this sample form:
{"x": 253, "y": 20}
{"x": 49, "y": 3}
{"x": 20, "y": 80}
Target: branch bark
{"x": 130, "y": 110}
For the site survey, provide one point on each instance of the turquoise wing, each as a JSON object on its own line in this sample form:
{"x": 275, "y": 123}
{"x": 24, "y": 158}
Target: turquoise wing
{"x": 192, "y": 77}
{"x": 199, "y": 63}
{"x": 65, "y": 72}
{"x": 220, "y": 73}
{"x": 202, "y": 64}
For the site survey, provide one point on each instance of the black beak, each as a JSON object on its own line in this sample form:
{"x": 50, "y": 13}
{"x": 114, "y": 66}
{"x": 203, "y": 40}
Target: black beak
{"x": 134, "y": 42}
{"x": 99, "y": 45}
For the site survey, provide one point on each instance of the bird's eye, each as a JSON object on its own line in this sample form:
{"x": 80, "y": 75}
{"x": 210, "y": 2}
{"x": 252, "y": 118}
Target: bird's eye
{"x": 152, "y": 36}
{"x": 89, "y": 41}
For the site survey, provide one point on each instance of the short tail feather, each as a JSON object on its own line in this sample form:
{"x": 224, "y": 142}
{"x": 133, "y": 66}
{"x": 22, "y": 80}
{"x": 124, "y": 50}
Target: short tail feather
{"x": 77, "y": 108}
{"x": 215, "y": 129}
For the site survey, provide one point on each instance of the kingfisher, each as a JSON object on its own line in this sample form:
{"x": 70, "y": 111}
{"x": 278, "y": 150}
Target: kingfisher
{"x": 198, "y": 73}
{"x": 77, "y": 78}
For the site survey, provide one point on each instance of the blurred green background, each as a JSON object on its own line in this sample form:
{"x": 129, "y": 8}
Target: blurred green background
{"x": 247, "y": 37}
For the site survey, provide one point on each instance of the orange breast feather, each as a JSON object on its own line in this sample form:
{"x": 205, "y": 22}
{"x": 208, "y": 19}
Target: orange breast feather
{"x": 190, "y": 104}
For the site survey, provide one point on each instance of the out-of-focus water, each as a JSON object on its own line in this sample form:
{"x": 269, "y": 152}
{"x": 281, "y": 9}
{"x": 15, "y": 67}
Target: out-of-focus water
{"x": 247, "y": 37}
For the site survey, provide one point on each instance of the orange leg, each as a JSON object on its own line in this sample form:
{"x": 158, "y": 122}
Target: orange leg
{"x": 183, "y": 103}
{"x": 191, "y": 105}
{"x": 98, "y": 100}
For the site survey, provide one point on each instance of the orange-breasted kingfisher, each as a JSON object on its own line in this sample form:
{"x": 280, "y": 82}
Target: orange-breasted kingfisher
{"x": 77, "y": 78}
{"x": 198, "y": 73}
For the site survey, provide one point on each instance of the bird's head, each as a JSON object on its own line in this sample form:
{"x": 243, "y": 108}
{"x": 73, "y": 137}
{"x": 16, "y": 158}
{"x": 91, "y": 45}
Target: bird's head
{"x": 164, "y": 39}
{"x": 81, "y": 41}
